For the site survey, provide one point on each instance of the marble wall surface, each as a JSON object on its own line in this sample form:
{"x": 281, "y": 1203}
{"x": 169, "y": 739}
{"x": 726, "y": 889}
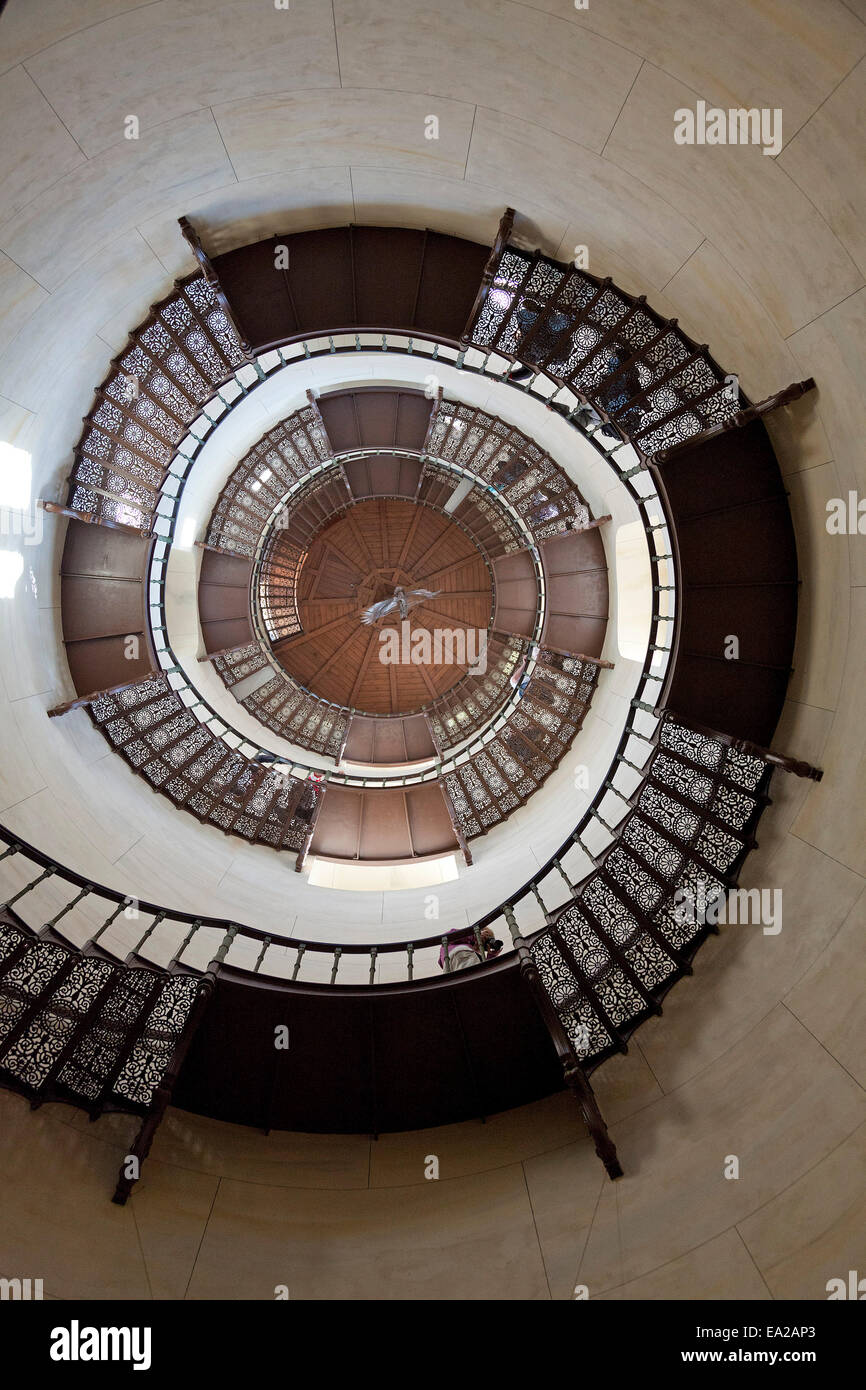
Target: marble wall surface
{"x": 253, "y": 121}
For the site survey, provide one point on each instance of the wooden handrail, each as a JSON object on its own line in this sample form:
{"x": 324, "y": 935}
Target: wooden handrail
{"x": 91, "y": 519}
{"x": 81, "y": 700}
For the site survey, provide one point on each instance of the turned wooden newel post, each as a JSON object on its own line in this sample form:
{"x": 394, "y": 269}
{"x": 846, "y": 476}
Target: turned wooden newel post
{"x": 94, "y": 519}
{"x": 572, "y": 1071}
{"x": 590, "y": 525}
{"x": 81, "y": 700}
{"x": 795, "y": 766}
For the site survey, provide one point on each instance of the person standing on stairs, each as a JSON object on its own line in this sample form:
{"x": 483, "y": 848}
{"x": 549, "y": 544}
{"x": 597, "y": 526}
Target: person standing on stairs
{"x": 463, "y": 948}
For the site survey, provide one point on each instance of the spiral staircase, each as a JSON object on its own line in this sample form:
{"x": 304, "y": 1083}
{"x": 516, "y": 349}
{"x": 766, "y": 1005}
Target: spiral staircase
{"x": 188, "y": 1014}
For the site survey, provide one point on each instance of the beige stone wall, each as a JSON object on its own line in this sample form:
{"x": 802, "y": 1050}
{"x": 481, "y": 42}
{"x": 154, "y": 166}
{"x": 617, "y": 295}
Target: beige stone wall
{"x": 568, "y": 116}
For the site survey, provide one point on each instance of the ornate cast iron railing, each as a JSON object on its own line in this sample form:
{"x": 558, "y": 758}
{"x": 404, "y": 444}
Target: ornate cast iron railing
{"x": 268, "y": 790}
{"x": 273, "y": 808}
{"x": 647, "y": 379}
{"x": 676, "y": 815}
{"x": 650, "y": 504}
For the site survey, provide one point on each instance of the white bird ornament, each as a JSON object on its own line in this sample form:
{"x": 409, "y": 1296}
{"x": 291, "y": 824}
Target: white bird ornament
{"x": 402, "y": 600}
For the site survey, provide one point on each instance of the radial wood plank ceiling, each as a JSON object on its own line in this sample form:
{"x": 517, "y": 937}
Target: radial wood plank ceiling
{"x": 358, "y": 560}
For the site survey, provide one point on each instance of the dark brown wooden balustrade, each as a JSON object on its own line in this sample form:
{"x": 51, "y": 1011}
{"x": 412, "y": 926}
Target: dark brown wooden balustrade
{"x": 224, "y": 600}
{"x": 383, "y": 825}
{"x": 351, "y": 277}
{"x": 103, "y": 607}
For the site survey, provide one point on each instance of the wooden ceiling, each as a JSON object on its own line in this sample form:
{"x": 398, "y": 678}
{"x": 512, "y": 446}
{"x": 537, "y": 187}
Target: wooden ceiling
{"x": 358, "y": 560}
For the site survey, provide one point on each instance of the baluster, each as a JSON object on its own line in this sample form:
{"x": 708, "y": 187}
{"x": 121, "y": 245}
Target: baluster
{"x": 563, "y": 875}
{"x": 548, "y": 917}
{"x": 609, "y": 786}
{"x": 300, "y": 951}
{"x": 410, "y": 964}
{"x": 92, "y": 940}
{"x": 444, "y": 941}
{"x": 46, "y": 873}
{"x": 514, "y": 931}
{"x": 374, "y": 951}
{"x": 265, "y": 944}
{"x": 338, "y": 951}
{"x": 88, "y": 888}
{"x": 136, "y": 950}
{"x": 627, "y": 473}
{"x": 175, "y": 960}
{"x": 599, "y": 817}
{"x": 223, "y": 949}
{"x": 647, "y": 709}
{"x": 593, "y": 859}
{"x": 641, "y": 771}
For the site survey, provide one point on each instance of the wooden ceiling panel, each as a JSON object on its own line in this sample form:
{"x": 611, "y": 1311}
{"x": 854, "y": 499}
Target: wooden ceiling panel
{"x": 359, "y": 559}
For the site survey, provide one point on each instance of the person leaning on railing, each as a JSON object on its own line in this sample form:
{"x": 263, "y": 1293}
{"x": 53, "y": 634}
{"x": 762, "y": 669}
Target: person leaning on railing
{"x": 463, "y": 948}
